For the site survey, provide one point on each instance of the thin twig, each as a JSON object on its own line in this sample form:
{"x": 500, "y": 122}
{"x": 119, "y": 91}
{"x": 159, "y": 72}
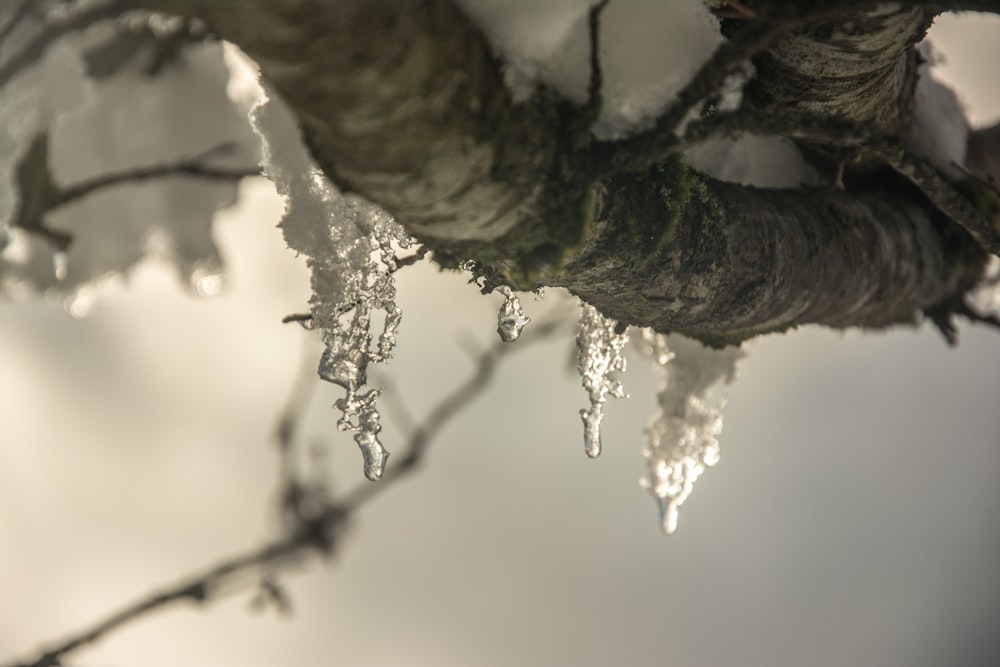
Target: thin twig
{"x": 17, "y": 14}
{"x": 187, "y": 167}
{"x": 53, "y": 29}
{"x": 319, "y": 535}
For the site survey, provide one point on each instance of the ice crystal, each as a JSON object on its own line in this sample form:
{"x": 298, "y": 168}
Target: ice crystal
{"x": 599, "y": 347}
{"x": 511, "y": 319}
{"x": 683, "y": 435}
{"x": 350, "y": 247}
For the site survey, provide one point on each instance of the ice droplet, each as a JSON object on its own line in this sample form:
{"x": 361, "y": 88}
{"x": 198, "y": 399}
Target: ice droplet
{"x": 511, "y": 319}
{"x": 683, "y": 435}
{"x": 599, "y": 353}
{"x": 60, "y": 265}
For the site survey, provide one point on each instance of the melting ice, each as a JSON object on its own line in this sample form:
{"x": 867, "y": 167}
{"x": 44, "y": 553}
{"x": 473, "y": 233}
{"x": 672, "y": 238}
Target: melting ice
{"x": 351, "y": 246}
{"x": 683, "y": 435}
{"x": 599, "y": 355}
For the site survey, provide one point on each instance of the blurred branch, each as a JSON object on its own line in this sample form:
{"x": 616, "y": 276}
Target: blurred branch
{"x": 186, "y": 167}
{"x": 319, "y": 534}
{"x": 17, "y": 14}
{"x": 41, "y": 195}
{"x": 57, "y": 24}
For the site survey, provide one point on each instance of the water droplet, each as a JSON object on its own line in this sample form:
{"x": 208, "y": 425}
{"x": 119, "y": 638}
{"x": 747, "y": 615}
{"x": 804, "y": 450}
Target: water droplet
{"x": 669, "y": 513}
{"x": 207, "y": 281}
{"x": 511, "y": 319}
{"x": 60, "y": 265}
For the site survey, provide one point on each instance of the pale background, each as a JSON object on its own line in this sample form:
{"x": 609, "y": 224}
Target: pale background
{"x": 852, "y": 520}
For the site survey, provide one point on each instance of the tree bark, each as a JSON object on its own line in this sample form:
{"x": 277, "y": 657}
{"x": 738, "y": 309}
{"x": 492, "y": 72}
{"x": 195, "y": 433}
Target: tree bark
{"x": 404, "y": 103}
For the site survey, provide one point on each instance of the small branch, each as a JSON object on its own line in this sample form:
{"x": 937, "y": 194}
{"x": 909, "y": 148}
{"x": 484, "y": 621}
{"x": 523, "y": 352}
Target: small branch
{"x": 54, "y": 28}
{"x": 944, "y": 196}
{"x": 203, "y": 587}
{"x": 40, "y": 195}
{"x": 943, "y": 317}
{"x": 17, "y": 14}
{"x": 318, "y": 535}
{"x": 188, "y": 167}
{"x": 645, "y": 147}
{"x": 592, "y": 109}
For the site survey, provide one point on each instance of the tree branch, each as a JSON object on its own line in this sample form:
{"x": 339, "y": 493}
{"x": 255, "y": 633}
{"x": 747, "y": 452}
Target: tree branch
{"x": 318, "y": 534}
{"x": 475, "y": 176}
{"x": 57, "y": 25}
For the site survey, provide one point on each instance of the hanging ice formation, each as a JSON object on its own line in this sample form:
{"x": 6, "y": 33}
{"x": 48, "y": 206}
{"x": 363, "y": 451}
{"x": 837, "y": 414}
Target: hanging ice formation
{"x": 349, "y": 244}
{"x": 683, "y": 435}
{"x": 599, "y": 348}
{"x": 511, "y": 319}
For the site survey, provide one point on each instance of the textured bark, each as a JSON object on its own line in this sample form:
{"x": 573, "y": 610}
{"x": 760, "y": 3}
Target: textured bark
{"x": 744, "y": 261}
{"x": 856, "y": 70}
{"x": 403, "y": 103}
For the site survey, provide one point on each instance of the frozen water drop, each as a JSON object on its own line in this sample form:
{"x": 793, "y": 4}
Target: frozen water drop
{"x": 60, "y": 265}
{"x": 669, "y": 513}
{"x": 599, "y": 349}
{"x": 374, "y": 454}
{"x": 511, "y": 319}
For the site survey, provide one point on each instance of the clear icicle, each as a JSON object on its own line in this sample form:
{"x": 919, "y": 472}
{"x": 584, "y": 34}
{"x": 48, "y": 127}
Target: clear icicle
{"x": 683, "y": 435}
{"x": 511, "y": 319}
{"x": 351, "y": 246}
{"x": 60, "y": 265}
{"x": 599, "y": 355}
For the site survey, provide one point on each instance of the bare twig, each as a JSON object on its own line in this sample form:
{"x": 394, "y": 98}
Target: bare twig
{"x": 54, "y": 28}
{"x": 40, "y": 195}
{"x": 17, "y": 14}
{"x": 943, "y": 317}
{"x": 187, "y": 167}
{"x": 316, "y": 535}
{"x": 592, "y": 108}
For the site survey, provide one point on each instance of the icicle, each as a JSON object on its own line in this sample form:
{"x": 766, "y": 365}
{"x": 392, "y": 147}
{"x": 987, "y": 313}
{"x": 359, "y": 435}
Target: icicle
{"x": 511, "y": 319}
{"x": 351, "y": 247}
{"x": 60, "y": 265}
{"x": 683, "y": 435}
{"x": 599, "y": 354}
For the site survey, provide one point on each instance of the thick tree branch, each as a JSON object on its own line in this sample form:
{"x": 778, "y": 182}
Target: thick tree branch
{"x": 57, "y": 26}
{"x": 737, "y": 262}
{"x": 417, "y": 119}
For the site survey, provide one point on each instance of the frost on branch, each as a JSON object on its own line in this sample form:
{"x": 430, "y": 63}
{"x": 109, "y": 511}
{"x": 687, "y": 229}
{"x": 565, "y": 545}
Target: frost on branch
{"x": 599, "y": 347}
{"x": 683, "y": 435}
{"x": 349, "y": 245}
